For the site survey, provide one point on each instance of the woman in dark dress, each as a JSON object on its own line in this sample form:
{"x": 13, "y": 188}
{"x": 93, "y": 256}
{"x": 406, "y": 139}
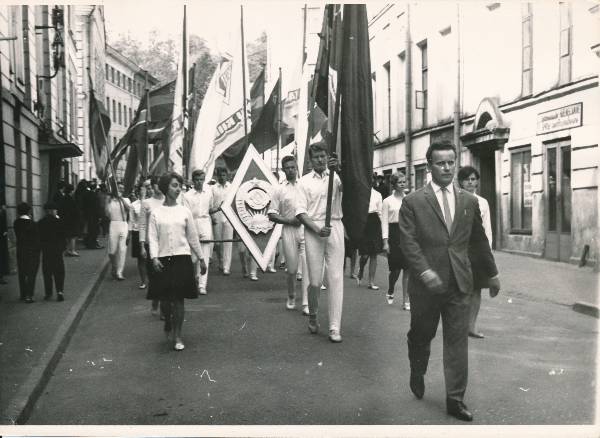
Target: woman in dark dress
{"x": 67, "y": 211}
{"x": 172, "y": 237}
{"x": 372, "y": 243}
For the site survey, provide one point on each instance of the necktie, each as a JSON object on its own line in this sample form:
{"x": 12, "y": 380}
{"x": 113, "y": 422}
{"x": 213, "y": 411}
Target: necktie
{"x": 447, "y": 214}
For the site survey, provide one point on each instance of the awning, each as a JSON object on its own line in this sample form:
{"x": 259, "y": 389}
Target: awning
{"x": 62, "y": 150}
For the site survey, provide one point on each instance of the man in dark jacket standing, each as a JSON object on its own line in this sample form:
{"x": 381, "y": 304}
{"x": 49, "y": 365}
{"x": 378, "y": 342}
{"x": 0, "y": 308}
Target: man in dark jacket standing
{"x": 28, "y": 251}
{"x": 439, "y": 226}
{"x": 92, "y": 213}
{"x": 53, "y": 243}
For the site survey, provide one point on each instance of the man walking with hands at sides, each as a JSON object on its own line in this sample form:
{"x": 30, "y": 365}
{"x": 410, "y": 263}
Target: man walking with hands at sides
{"x": 283, "y": 211}
{"x": 223, "y": 229}
{"x": 439, "y": 226}
{"x": 324, "y": 244}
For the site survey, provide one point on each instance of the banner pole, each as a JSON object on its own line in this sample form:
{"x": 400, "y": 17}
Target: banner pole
{"x": 244, "y": 74}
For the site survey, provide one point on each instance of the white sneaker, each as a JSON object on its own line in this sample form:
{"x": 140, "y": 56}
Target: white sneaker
{"x": 142, "y": 286}
{"x": 202, "y": 291}
{"x": 253, "y": 277}
{"x": 271, "y": 270}
{"x": 390, "y": 298}
{"x": 323, "y": 287}
{"x": 406, "y": 306}
{"x": 334, "y": 336}
{"x": 291, "y": 304}
{"x": 299, "y": 277}
{"x": 305, "y": 309}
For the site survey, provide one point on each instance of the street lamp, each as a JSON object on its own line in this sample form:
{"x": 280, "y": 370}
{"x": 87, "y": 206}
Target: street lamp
{"x": 58, "y": 45}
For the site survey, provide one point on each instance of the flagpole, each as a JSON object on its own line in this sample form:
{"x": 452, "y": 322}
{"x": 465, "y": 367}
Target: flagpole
{"x": 304, "y": 9}
{"x": 185, "y": 84}
{"x": 279, "y": 123}
{"x": 147, "y": 149}
{"x": 244, "y": 74}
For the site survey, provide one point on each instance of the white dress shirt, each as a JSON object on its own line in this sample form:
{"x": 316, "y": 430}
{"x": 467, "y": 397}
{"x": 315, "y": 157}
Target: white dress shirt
{"x": 449, "y": 194}
{"x": 484, "y": 208}
{"x": 148, "y": 205}
{"x": 199, "y": 203}
{"x": 171, "y": 232}
{"x": 375, "y": 202}
{"x": 285, "y": 199}
{"x": 390, "y": 213}
{"x": 313, "y": 196}
{"x": 219, "y": 194}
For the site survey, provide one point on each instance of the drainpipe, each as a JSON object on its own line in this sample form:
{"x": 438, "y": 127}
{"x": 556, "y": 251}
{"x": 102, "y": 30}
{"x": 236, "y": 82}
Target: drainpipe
{"x": 408, "y": 101}
{"x": 457, "y": 101}
{"x": 88, "y": 161}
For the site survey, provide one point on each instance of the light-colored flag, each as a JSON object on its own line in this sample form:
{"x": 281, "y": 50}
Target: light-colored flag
{"x": 301, "y": 127}
{"x": 179, "y": 116}
{"x": 221, "y": 118}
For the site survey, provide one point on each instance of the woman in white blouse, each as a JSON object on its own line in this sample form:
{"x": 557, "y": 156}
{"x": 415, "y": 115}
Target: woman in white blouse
{"x": 172, "y": 237}
{"x": 371, "y": 244}
{"x": 143, "y": 191}
{"x": 468, "y": 179}
{"x": 391, "y": 239}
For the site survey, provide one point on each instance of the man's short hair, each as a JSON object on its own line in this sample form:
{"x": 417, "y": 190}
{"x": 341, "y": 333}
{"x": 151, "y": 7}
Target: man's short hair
{"x": 198, "y": 172}
{"x": 165, "y": 181}
{"x": 287, "y": 159}
{"x": 318, "y": 147}
{"x": 465, "y": 172}
{"x": 23, "y": 208}
{"x": 439, "y": 146}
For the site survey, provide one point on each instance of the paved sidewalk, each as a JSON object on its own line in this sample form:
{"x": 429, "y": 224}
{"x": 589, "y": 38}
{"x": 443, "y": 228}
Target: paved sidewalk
{"x": 33, "y": 336}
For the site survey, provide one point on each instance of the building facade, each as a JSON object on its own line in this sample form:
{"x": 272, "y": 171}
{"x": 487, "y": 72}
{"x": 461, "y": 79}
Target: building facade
{"x": 521, "y": 82}
{"x": 126, "y": 83}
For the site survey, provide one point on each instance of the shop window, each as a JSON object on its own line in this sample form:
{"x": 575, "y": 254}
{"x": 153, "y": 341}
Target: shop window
{"x": 420, "y": 176}
{"x": 520, "y": 193}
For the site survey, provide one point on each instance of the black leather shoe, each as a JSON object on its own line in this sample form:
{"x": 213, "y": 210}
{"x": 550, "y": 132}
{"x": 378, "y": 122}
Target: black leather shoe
{"x": 417, "y": 385}
{"x": 458, "y": 410}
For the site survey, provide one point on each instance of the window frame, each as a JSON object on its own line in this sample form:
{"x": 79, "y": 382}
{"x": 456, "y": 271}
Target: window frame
{"x": 520, "y": 228}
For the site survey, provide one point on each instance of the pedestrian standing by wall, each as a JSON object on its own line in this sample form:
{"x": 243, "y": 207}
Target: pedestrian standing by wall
{"x": 172, "y": 237}
{"x": 391, "y": 239}
{"x": 117, "y": 210}
{"x": 324, "y": 244}
{"x": 67, "y": 211}
{"x": 52, "y": 242}
{"x": 201, "y": 203}
{"x": 440, "y": 226}
{"x": 80, "y": 193}
{"x": 134, "y": 229}
{"x": 156, "y": 200}
{"x": 283, "y": 211}
{"x": 92, "y": 211}
{"x": 468, "y": 178}
{"x": 371, "y": 244}
{"x": 28, "y": 251}
{"x": 222, "y": 228}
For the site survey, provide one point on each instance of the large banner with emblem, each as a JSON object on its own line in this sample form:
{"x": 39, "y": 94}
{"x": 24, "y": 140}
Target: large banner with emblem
{"x": 246, "y": 206}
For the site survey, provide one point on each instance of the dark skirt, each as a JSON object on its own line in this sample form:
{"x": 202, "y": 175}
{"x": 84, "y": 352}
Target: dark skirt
{"x": 396, "y": 259}
{"x": 135, "y": 244}
{"x": 175, "y": 281}
{"x": 349, "y": 248}
{"x": 371, "y": 243}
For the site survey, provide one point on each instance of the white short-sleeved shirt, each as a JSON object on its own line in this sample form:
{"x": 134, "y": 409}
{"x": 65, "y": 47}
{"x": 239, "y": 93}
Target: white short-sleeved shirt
{"x": 313, "y": 196}
{"x": 171, "y": 231}
{"x": 117, "y": 209}
{"x": 199, "y": 203}
{"x": 375, "y": 202}
{"x": 390, "y": 213}
{"x": 285, "y": 199}
{"x": 219, "y": 194}
{"x": 134, "y": 215}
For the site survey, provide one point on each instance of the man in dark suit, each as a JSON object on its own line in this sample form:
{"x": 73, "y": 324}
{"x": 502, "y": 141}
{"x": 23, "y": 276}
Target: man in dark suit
{"x": 439, "y": 226}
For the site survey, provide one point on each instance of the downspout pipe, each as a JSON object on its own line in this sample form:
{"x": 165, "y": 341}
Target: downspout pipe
{"x": 408, "y": 101}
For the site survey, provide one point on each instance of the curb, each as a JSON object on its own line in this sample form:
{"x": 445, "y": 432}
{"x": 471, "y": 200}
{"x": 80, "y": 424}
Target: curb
{"x": 586, "y": 309}
{"x": 20, "y": 407}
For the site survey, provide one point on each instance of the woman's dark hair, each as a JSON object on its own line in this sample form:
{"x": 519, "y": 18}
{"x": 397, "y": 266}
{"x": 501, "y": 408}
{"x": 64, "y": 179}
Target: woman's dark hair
{"x": 165, "y": 181}
{"x": 439, "y": 146}
{"x": 23, "y": 208}
{"x": 466, "y": 172}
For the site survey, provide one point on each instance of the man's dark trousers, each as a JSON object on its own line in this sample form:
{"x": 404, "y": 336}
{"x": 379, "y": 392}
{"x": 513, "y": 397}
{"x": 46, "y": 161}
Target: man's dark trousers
{"x": 53, "y": 267}
{"x": 28, "y": 264}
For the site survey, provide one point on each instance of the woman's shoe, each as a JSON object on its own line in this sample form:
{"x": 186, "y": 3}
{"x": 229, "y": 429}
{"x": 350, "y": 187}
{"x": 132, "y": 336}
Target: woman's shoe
{"x": 178, "y": 346}
{"x": 373, "y": 287}
{"x": 406, "y": 306}
{"x": 390, "y": 298}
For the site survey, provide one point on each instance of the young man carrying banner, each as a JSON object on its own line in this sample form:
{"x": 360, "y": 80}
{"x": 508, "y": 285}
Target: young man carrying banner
{"x": 283, "y": 211}
{"x": 222, "y": 228}
{"x": 324, "y": 244}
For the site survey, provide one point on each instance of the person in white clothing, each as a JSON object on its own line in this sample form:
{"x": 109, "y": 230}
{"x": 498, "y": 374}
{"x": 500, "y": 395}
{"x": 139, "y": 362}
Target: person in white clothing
{"x": 283, "y": 211}
{"x": 172, "y": 238}
{"x": 222, "y": 228}
{"x": 200, "y": 201}
{"x": 468, "y": 178}
{"x": 371, "y": 244}
{"x": 134, "y": 227}
{"x": 117, "y": 209}
{"x": 324, "y": 244}
{"x": 390, "y": 232}
{"x": 156, "y": 200}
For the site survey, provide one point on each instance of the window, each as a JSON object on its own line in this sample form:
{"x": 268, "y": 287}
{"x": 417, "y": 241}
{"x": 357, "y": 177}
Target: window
{"x": 424, "y": 72}
{"x": 17, "y": 56}
{"x": 108, "y": 105}
{"x": 107, "y": 72}
{"x": 73, "y": 108}
{"x": 114, "y": 105}
{"x": 118, "y": 78}
{"x": 420, "y": 176}
{"x": 527, "y": 57}
{"x": 376, "y": 126}
{"x": 388, "y": 101}
{"x": 520, "y": 193}
{"x": 564, "y": 68}
{"x": 129, "y": 84}
{"x": 120, "y": 119}
{"x": 130, "y": 112}
{"x": 112, "y": 75}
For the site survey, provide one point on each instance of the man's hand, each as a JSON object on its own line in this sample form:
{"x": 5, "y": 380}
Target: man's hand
{"x": 143, "y": 253}
{"x": 432, "y": 281}
{"x": 333, "y": 163}
{"x": 325, "y": 232}
{"x": 386, "y": 246}
{"x": 157, "y": 265}
{"x": 202, "y": 267}
{"x": 494, "y": 284}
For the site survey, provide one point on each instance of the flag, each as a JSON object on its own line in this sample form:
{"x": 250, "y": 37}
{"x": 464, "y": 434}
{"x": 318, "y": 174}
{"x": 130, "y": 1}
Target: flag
{"x": 179, "y": 114}
{"x": 290, "y": 92}
{"x": 356, "y": 117}
{"x": 264, "y": 132}
{"x": 257, "y": 97}
{"x": 99, "y": 127}
{"x": 222, "y": 121}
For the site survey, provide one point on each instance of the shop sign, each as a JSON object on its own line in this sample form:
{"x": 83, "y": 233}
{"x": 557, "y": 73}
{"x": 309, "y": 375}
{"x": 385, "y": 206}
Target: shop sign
{"x": 570, "y": 116}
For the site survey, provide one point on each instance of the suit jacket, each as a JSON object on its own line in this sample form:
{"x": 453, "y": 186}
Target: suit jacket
{"x": 427, "y": 244}
{"x": 28, "y": 237}
{"x": 52, "y": 234}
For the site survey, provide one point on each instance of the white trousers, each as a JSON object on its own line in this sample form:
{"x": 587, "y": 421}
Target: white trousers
{"x": 205, "y": 232}
{"x": 327, "y": 251}
{"x": 117, "y": 244}
{"x": 224, "y": 230}
{"x": 292, "y": 241}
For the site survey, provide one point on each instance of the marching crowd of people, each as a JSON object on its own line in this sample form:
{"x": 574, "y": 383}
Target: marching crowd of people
{"x": 441, "y": 234}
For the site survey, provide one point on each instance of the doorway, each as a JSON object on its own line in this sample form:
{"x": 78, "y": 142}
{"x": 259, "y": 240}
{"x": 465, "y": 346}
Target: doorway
{"x": 487, "y": 184}
{"x": 558, "y": 201}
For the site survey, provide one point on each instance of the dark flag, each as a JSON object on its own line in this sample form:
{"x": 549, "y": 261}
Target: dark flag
{"x": 257, "y": 97}
{"x": 356, "y": 120}
{"x": 264, "y": 132}
{"x": 99, "y": 127}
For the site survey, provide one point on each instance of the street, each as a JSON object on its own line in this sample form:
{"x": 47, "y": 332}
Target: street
{"x": 249, "y": 361}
